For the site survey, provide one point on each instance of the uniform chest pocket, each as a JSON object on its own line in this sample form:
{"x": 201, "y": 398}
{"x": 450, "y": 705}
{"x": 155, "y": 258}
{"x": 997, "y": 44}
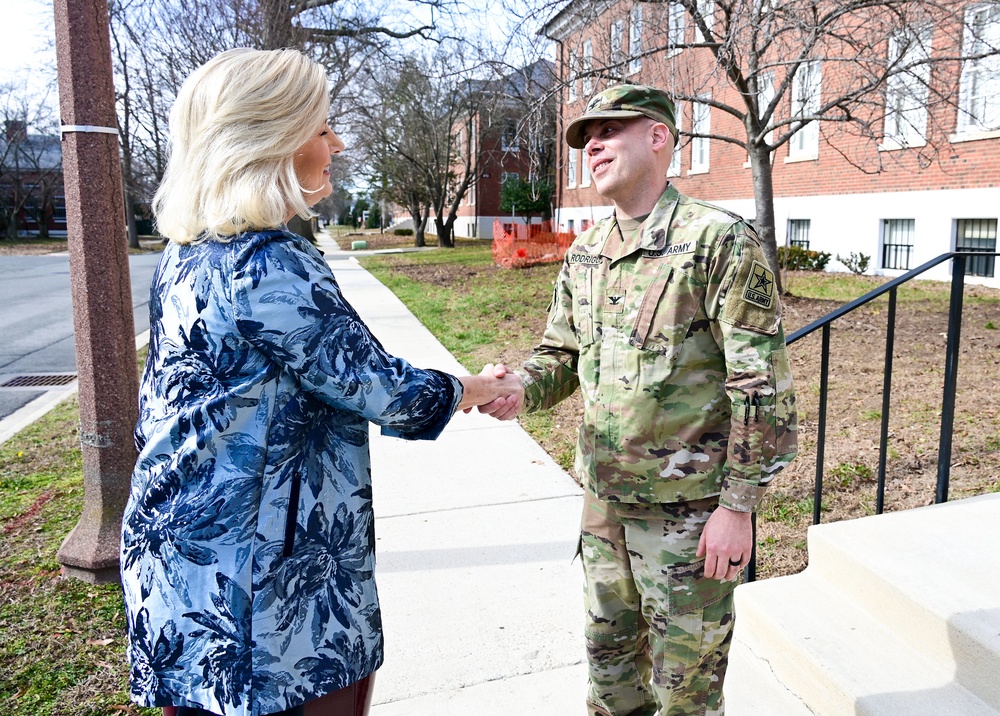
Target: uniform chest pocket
{"x": 583, "y": 306}
{"x": 666, "y": 312}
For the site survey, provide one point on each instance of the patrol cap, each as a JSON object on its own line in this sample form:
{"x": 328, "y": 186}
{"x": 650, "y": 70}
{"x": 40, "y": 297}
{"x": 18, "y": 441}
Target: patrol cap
{"x": 624, "y": 102}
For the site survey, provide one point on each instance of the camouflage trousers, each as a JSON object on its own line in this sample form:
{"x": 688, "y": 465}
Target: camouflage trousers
{"x": 657, "y": 632}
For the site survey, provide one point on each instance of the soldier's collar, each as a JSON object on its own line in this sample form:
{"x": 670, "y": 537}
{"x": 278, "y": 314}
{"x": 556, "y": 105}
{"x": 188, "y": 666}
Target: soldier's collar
{"x": 654, "y": 235}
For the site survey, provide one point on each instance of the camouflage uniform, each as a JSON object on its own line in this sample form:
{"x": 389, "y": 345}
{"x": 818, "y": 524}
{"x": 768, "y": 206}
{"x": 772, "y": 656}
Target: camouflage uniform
{"x": 673, "y": 332}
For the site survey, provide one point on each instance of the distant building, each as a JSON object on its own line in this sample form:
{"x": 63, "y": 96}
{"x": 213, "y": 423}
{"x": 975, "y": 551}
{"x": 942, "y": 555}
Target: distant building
{"x": 516, "y": 141}
{"x": 910, "y": 211}
{"x": 32, "y": 199}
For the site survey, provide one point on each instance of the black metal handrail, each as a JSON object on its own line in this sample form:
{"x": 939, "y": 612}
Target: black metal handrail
{"x": 950, "y": 379}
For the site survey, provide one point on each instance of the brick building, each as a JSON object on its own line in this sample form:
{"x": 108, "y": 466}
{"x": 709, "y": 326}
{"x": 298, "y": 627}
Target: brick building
{"x": 516, "y": 138}
{"x": 32, "y": 200}
{"x": 911, "y": 171}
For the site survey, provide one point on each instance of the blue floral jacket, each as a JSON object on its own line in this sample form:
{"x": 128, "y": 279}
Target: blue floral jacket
{"x": 248, "y": 540}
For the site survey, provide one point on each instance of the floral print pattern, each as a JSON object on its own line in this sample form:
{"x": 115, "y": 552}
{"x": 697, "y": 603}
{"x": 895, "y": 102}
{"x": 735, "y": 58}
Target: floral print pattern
{"x": 248, "y": 539}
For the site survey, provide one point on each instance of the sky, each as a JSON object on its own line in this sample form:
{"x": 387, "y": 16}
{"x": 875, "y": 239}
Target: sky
{"x": 26, "y": 39}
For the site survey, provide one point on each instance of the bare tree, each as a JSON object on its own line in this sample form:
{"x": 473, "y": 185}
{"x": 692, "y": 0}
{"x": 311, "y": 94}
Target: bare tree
{"x": 890, "y": 72}
{"x": 30, "y": 159}
{"x": 422, "y": 138}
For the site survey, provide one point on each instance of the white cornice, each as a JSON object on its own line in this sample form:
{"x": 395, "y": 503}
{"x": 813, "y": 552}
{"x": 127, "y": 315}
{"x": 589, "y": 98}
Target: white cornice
{"x": 576, "y": 16}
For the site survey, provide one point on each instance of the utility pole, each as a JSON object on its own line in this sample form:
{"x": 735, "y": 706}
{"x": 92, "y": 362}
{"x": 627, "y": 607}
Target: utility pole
{"x": 99, "y": 276}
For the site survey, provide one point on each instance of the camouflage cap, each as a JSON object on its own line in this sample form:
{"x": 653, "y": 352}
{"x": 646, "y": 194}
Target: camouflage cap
{"x": 623, "y": 102}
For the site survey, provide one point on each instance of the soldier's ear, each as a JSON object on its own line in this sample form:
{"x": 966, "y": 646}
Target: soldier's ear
{"x": 661, "y": 137}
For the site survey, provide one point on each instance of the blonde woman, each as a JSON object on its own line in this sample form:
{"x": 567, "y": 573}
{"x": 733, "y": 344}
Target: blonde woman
{"x": 247, "y": 543}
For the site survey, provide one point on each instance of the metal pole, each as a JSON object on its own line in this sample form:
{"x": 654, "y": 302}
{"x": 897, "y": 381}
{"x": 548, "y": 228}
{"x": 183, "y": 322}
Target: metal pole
{"x": 821, "y": 436}
{"x": 950, "y": 376}
{"x": 99, "y": 277}
{"x": 890, "y": 337}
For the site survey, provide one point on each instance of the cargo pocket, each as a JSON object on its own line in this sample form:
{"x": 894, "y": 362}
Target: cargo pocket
{"x": 583, "y": 306}
{"x": 695, "y": 638}
{"x": 689, "y": 591}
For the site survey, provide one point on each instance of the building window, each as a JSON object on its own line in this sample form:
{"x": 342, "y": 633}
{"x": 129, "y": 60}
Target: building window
{"x": 706, "y": 10}
{"x": 508, "y": 140}
{"x": 675, "y": 27}
{"x": 574, "y": 70}
{"x": 675, "y": 159}
{"x": 635, "y": 39}
{"x": 616, "y": 45}
{"x": 977, "y": 235}
{"x": 571, "y": 167}
{"x": 584, "y": 170}
{"x": 507, "y": 176}
{"x": 588, "y": 67}
{"x": 979, "y": 100}
{"x": 798, "y": 233}
{"x": 570, "y": 225}
{"x": 701, "y": 123}
{"x": 805, "y": 102}
{"x": 906, "y": 94}
{"x": 897, "y": 243}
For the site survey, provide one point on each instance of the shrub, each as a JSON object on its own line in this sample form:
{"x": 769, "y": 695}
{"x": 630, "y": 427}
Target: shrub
{"x": 403, "y": 232}
{"x": 796, "y": 258}
{"x": 855, "y": 263}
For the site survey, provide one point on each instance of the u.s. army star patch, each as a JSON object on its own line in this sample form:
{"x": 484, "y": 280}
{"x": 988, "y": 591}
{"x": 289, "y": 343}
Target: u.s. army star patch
{"x": 760, "y": 286}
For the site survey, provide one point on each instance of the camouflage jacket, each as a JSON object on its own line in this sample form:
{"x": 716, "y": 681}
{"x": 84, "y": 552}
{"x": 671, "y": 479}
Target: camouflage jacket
{"x": 674, "y": 334}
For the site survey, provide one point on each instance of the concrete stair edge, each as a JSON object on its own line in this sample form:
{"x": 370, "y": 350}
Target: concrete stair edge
{"x": 922, "y": 611}
{"x": 800, "y": 622}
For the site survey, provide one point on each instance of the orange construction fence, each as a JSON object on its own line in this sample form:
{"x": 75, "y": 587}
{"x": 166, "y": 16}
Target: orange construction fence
{"x": 519, "y": 245}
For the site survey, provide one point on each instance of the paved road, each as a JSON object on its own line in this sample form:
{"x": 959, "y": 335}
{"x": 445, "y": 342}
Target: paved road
{"x": 36, "y": 317}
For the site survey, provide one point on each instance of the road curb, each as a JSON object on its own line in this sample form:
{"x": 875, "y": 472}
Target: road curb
{"x": 46, "y": 402}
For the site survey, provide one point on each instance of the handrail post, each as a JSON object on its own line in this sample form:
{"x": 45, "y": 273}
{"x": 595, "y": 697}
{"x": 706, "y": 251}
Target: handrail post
{"x": 890, "y": 339}
{"x": 950, "y": 376}
{"x": 824, "y": 373}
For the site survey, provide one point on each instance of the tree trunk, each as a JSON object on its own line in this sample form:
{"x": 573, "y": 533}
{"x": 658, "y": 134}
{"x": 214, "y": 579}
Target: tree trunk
{"x": 445, "y": 232}
{"x": 133, "y": 233}
{"x": 763, "y": 190}
{"x": 419, "y": 224}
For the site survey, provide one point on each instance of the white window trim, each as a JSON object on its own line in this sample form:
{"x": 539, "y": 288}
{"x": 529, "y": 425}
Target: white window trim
{"x": 506, "y": 146}
{"x": 675, "y": 27}
{"x": 585, "y": 178}
{"x": 571, "y": 162}
{"x": 674, "y": 170}
{"x": 616, "y": 42}
{"x": 706, "y": 8}
{"x": 635, "y": 39}
{"x": 968, "y": 123}
{"x": 588, "y": 66}
{"x": 765, "y": 93}
{"x": 571, "y": 87}
{"x": 911, "y": 86}
{"x": 701, "y": 123}
{"x": 810, "y": 132}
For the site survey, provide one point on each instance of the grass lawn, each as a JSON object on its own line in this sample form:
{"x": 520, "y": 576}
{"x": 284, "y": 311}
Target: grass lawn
{"x": 62, "y": 642}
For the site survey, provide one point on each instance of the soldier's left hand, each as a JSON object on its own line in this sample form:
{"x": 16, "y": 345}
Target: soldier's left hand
{"x": 726, "y": 543}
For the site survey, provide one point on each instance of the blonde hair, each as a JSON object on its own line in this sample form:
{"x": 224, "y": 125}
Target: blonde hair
{"x": 234, "y": 130}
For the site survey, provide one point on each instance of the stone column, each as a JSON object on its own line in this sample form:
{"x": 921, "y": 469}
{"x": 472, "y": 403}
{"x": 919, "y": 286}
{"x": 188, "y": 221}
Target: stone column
{"x": 102, "y": 299}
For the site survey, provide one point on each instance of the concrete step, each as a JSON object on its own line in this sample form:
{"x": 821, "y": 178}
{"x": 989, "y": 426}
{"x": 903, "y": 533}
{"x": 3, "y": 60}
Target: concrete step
{"x": 932, "y": 576}
{"x": 840, "y": 659}
{"x": 752, "y": 689}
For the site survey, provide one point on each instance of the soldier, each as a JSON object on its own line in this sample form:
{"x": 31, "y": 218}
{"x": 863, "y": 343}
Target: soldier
{"x": 667, "y": 316}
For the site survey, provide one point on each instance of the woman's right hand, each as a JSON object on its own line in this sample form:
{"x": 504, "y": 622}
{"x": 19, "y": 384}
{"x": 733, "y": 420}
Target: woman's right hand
{"x": 496, "y": 392}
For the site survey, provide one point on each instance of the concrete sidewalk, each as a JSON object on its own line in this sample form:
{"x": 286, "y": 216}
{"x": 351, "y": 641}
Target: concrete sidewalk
{"x": 476, "y": 532}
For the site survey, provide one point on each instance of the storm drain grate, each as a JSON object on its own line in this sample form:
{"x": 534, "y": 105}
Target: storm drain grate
{"x": 39, "y": 380}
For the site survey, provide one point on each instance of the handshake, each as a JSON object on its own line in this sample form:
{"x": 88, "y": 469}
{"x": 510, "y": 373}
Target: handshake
{"x": 495, "y": 391}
